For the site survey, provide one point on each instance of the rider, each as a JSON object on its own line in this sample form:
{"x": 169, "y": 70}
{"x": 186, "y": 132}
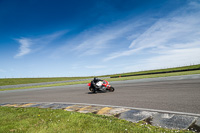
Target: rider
{"x": 93, "y": 84}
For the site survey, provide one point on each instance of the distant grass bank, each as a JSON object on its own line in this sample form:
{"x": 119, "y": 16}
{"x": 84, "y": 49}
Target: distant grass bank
{"x": 16, "y": 81}
{"x": 48, "y": 85}
{"x": 34, "y": 120}
{"x": 155, "y": 75}
{"x": 160, "y": 71}
{"x": 110, "y": 79}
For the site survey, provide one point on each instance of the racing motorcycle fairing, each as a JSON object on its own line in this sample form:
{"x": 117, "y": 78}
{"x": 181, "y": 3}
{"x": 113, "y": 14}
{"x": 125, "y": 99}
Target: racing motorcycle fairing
{"x": 103, "y": 86}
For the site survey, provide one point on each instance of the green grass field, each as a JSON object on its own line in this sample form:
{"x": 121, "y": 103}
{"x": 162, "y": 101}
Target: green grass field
{"x": 35, "y": 120}
{"x": 15, "y": 81}
{"x": 111, "y": 79}
{"x": 155, "y": 75}
{"x": 160, "y": 70}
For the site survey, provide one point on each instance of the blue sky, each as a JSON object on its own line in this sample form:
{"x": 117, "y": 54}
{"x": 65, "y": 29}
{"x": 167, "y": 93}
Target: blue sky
{"x": 62, "y": 38}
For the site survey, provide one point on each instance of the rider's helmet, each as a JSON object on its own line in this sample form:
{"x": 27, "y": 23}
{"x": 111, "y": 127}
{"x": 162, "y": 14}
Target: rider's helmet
{"x": 95, "y": 79}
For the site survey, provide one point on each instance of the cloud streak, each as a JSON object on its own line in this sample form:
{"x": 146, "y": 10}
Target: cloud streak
{"x": 31, "y": 45}
{"x": 179, "y": 29}
{"x": 95, "y": 40}
{"x": 168, "y": 59}
{"x": 24, "y": 48}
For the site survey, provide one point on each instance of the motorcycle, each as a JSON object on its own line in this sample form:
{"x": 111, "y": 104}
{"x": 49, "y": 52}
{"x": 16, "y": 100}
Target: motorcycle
{"x": 103, "y": 86}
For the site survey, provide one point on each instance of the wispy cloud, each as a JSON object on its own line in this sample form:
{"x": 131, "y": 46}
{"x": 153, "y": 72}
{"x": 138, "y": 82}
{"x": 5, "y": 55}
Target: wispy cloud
{"x": 95, "y": 67}
{"x": 178, "y": 30}
{"x": 122, "y": 53}
{"x": 171, "y": 58}
{"x": 34, "y": 44}
{"x": 24, "y": 48}
{"x": 176, "y": 57}
{"x": 100, "y": 39}
{"x": 95, "y": 40}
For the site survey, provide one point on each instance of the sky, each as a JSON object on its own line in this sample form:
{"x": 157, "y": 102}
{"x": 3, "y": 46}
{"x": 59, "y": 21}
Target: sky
{"x": 68, "y": 38}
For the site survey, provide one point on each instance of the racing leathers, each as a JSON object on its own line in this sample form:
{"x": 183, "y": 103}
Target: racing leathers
{"x": 93, "y": 84}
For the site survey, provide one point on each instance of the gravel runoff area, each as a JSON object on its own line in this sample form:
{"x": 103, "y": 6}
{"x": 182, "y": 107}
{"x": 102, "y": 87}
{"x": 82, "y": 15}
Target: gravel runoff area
{"x": 45, "y": 83}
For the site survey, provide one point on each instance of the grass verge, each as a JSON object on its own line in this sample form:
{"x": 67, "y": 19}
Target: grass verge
{"x": 48, "y": 85}
{"x": 110, "y": 79}
{"x": 34, "y": 120}
{"x": 156, "y": 75}
{"x": 159, "y": 70}
{"x": 16, "y": 81}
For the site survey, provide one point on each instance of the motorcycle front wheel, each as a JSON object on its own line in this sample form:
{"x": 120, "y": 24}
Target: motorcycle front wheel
{"x": 112, "y": 89}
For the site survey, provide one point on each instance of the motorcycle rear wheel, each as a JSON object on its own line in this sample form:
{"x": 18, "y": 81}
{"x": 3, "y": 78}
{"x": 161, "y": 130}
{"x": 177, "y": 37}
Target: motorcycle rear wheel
{"x": 92, "y": 89}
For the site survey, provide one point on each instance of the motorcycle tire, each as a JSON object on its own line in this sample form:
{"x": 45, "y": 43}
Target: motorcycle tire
{"x": 112, "y": 89}
{"x": 92, "y": 89}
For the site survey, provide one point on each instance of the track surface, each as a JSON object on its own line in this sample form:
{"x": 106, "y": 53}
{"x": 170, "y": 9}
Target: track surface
{"x": 176, "y": 95}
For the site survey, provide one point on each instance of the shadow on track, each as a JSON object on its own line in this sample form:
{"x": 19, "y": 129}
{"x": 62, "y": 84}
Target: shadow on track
{"x": 96, "y": 92}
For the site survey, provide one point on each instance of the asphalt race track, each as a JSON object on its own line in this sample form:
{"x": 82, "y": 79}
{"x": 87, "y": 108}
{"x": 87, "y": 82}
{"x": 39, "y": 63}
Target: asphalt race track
{"x": 171, "y": 95}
